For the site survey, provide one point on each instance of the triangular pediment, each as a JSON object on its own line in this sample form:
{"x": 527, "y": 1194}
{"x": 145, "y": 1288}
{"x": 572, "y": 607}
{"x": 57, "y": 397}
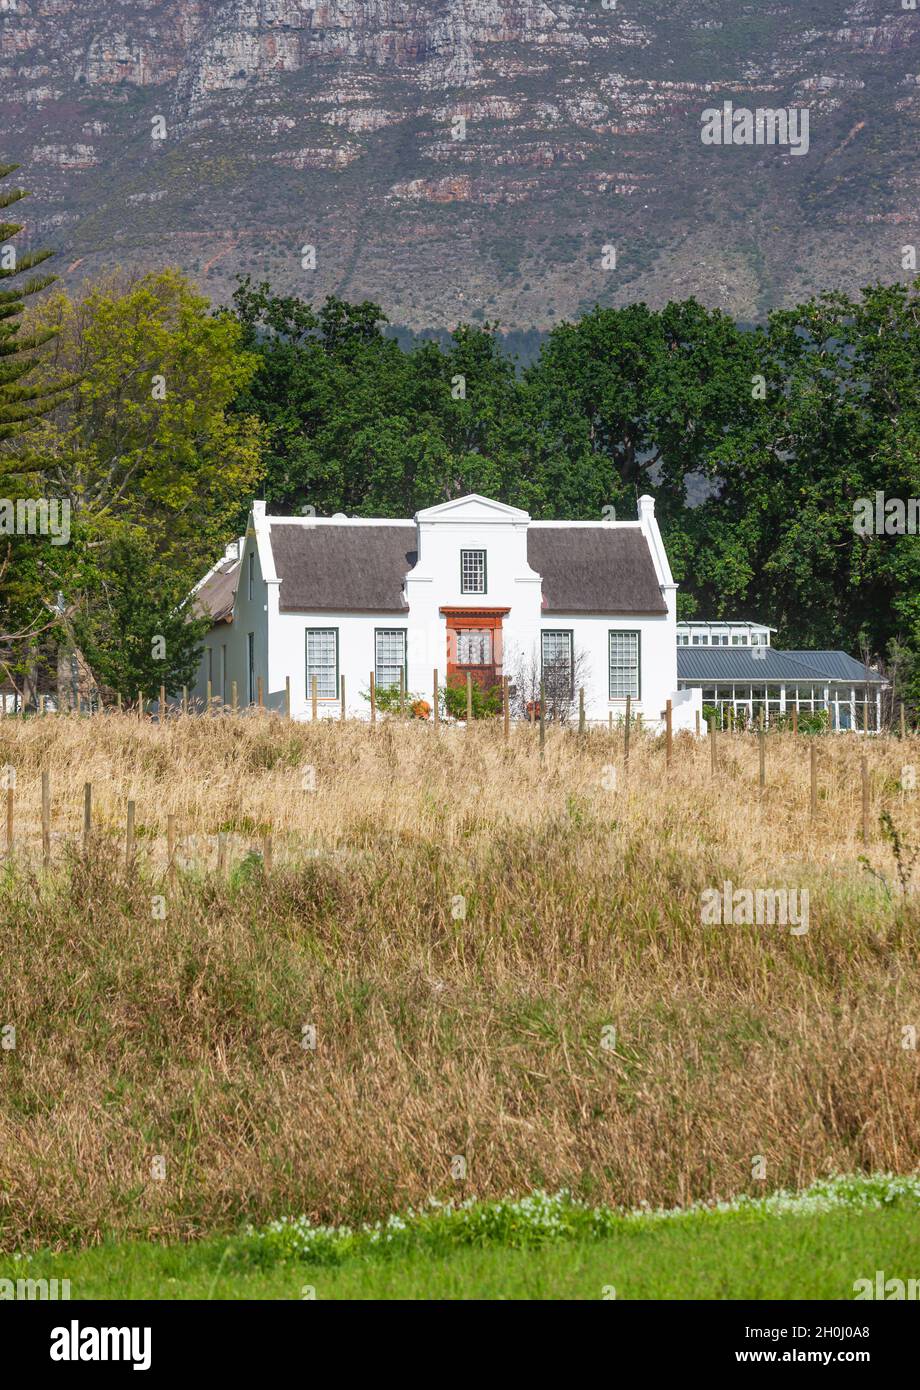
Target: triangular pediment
{"x": 472, "y": 508}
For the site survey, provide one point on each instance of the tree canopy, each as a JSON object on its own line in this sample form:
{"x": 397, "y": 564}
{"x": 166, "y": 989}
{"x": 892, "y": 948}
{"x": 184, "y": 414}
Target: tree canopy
{"x": 757, "y": 443}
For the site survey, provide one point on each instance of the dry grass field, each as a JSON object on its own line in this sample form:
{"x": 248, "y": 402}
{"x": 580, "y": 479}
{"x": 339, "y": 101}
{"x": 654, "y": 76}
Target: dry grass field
{"x": 450, "y": 928}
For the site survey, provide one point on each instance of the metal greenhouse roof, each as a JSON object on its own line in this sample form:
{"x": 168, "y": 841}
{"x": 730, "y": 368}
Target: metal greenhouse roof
{"x": 740, "y": 664}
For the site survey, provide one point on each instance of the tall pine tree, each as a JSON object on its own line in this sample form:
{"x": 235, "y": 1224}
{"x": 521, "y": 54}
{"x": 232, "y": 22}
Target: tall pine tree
{"x": 21, "y": 402}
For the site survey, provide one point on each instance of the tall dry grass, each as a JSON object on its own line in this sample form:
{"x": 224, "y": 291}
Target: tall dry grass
{"x": 460, "y": 921}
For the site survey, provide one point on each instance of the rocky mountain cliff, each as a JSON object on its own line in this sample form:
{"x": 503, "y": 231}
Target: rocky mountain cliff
{"x": 467, "y": 158}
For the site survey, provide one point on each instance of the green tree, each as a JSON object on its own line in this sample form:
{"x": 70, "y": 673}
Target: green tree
{"x": 135, "y": 621}
{"x": 841, "y": 422}
{"x": 22, "y": 401}
{"x": 632, "y": 400}
{"x": 154, "y": 463}
{"x": 25, "y": 618}
{"x": 148, "y": 435}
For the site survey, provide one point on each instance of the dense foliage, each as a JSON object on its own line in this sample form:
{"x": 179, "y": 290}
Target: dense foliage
{"x": 756, "y": 443}
{"x": 154, "y": 466}
{"x": 157, "y": 420}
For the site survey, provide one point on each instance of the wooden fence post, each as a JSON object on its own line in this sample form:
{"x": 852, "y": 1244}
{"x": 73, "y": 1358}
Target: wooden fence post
{"x": 140, "y": 704}
{"x": 697, "y": 713}
{"x": 469, "y": 700}
{"x": 626, "y": 727}
{"x": 287, "y": 697}
{"x": 87, "y": 813}
{"x": 314, "y": 696}
{"x": 506, "y": 702}
{"x": 162, "y": 715}
{"x": 903, "y": 724}
{"x": 814, "y": 780}
{"x": 373, "y": 699}
{"x": 129, "y": 838}
{"x": 117, "y": 702}
{"x": 864, "y": 772}
{"x": 210, "y": 699}
{"x": 171, "y": 850}
{"x": 713, "y": 761}
{"x": 610, "y": 722}
{"x": 669, "y": 732}
{"x": 581, "y": 709}
{"x": 342, "y": 684}
{"x": 436, "y": 709}
{"x": 542, "y": 721}
{"x": 234, "y": 698}
{"x": 46, "y": 819}
{"x": 185, "y": 699}
{"x": 267, "y": 853}
{"x": 260, "y": 693}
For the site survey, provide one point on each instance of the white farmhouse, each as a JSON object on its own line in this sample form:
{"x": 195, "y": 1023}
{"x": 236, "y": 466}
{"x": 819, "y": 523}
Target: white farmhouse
{"x": 471, "y": 586}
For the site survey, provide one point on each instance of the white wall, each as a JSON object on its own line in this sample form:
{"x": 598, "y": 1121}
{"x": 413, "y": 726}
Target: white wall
{"x": 356, "y": 645}
{"x": 468, "y": 523}
{"x": 248, "y": 616}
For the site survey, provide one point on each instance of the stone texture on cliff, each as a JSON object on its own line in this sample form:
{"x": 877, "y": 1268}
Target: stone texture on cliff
{"x": 333, "y": 123}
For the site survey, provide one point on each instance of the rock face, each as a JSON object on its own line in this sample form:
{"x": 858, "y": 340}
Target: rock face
{"x": 461, "y": 158}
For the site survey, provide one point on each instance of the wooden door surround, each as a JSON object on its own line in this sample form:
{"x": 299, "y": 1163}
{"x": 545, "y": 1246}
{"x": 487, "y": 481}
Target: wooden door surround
{"x": 459, "y": 620}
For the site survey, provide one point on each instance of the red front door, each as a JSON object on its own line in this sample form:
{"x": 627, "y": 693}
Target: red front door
{"x": 474, "y": 645}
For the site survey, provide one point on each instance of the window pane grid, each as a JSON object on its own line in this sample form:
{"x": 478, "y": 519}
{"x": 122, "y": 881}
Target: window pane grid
{"x": 321, "y": 662}
{"x": 472, "y": 571}
{"x": 474, "y": 647}
{"x": 390, "y": 659}
{"x": 624, "y": 665}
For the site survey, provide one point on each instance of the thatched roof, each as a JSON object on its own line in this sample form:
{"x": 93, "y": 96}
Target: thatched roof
{"x": 343, "y": 569}
{"x": 594, "y": 569}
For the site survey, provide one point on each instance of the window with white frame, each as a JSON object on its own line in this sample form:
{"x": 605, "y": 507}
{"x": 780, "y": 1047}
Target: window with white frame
{"x": 557, "y": 668}
{"x": 472, "y": 571}
{"x": 389, "y": 656}
{"x": 624, "y": 665}
{"x": 474, "y": 646}
{"x": 323, "y": 661}
{"x": 683, "y": 640}
{"x": 700, "y": 640}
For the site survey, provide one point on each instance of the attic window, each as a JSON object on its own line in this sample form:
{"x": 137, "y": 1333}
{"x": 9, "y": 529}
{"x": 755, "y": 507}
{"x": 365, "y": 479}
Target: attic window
{"x": 472, "y": 571}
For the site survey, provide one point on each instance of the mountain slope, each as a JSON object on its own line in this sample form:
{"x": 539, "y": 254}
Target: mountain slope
{"x": 296, "y": 122}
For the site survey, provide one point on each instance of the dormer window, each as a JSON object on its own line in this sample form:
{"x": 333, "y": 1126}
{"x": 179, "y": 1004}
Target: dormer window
{"x": 472, "y": 571}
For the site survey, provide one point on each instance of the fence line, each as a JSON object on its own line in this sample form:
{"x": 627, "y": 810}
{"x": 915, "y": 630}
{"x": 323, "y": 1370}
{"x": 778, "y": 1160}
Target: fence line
{"x": 161, "y": 710}
{"x": 222, "y": 838}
